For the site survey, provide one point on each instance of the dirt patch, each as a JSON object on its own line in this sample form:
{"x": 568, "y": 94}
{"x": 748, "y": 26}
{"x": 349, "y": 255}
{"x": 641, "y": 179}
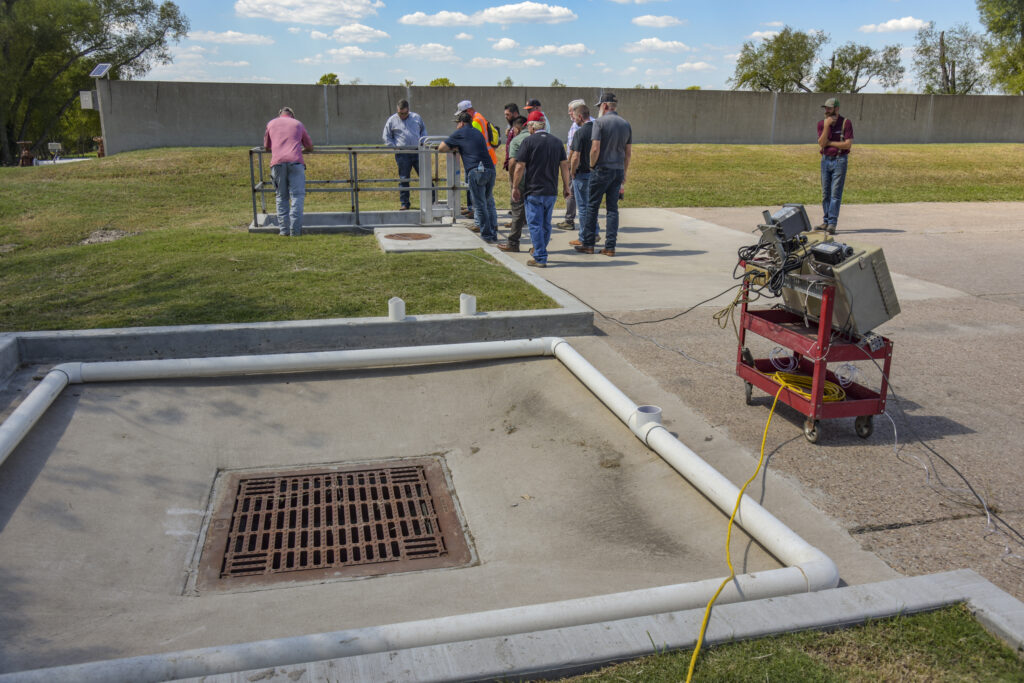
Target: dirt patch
{"x": 99, "y": 236}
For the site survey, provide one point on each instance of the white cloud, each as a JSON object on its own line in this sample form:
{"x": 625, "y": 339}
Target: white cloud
{"x": 528, "y": 13}
{"x": 656, "y": 44}
{"x": 571, "y": 50}
{"x": 231, "y": 37}
{"x": 432, "y": 52}
{"x": 647, "y": 60}
{"x": 230, "y": 63}
{"x": 520, "y": 13}
{"x": 357, "y": 33}
{"x": 317, "y": 35}
{"x": 731, "y": 57}
{"x": 654, "y": 73}
{"x": 652, "y": 21}
{"x": 344, "y": 54}
{"x": 294, "y": 29}
{"x": 495, "y": 62}
{"x": 308, "y": 11}
{"x": 505, "y": 44}
{"x": 316, "y": 59}
{"x": 463, "y": 36}
{"x": 694, "y": 66}
{"x": 904, "y": 24}
{"x": 764, "y": 35}
{"x": 773, "y": 24}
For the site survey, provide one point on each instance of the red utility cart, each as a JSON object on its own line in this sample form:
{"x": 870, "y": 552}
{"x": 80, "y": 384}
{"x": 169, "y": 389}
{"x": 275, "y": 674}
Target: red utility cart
{"x": 814, "y": 348}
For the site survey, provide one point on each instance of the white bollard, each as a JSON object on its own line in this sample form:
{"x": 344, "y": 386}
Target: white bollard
{"x": 467, "y": 304}
{"x": 396, "y": 309}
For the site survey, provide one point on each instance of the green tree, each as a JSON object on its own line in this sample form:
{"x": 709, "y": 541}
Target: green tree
{"x": 48, "y": 48}
{"x": 557, "y": 84}
{"x": 441, "y": 83}
{"x": 853, "y": 66}
{"x": 407, "y": 83}
{"x": 329, "y": 79}
{"x": 782, "y": 63}
{"x": 507, "y": 83}
{"x": 1004, "y": 20}
{"x": 950, "y": 62}
{"x": 692, "y": 87}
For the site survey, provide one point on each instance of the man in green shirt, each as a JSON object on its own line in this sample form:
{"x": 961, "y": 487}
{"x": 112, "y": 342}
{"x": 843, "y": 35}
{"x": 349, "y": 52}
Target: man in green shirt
{"x": 515, "y": 231}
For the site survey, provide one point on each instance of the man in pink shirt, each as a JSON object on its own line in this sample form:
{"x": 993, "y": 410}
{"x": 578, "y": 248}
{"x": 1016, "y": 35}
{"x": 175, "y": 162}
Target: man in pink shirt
{"x": 287, "y": 139}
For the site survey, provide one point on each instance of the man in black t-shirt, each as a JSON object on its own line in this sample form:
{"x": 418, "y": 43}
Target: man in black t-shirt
{"x": 579, "y": 168}
{"x": 540, "y": 160}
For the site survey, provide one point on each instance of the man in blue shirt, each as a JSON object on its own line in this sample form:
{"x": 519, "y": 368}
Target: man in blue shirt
{"x": 404, "y": 129}
{"x": 479, "y": 169}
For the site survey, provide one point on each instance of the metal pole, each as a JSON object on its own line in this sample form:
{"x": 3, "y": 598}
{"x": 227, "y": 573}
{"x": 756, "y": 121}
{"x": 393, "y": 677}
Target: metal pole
{"x": 252, "y": 183}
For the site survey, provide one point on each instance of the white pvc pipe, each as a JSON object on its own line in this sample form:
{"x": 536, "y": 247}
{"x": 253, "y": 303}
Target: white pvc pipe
{"x": 25, "y": 416}
{"x": 810, "y": 569}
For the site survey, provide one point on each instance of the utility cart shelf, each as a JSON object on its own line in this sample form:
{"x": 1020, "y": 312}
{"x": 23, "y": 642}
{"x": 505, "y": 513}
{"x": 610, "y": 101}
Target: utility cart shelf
{"x": 814, "y": 346}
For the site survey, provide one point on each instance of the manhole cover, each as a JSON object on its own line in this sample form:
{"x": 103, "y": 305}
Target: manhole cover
{"x": 408, "y": 236}
{"x": 310, "y": 524}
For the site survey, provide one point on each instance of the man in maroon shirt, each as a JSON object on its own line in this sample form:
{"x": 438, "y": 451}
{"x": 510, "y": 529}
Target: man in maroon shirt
{"x": 287, "y": 139}
{"x": 835, "y": 138}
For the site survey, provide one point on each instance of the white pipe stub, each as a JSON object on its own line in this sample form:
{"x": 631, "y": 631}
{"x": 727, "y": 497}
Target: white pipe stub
{"x": 396, "y": 309}
{"x": 467, "y": 304}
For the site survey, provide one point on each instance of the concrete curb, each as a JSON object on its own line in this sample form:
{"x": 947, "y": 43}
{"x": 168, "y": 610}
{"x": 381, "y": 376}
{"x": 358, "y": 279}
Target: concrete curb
{"x": 572, "y": 318}
{"x": 568, "y": 651}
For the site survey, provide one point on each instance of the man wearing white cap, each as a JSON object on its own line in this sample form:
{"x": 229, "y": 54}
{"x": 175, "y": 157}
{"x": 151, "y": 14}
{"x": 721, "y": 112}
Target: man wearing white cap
{"x": 835, "y": 138}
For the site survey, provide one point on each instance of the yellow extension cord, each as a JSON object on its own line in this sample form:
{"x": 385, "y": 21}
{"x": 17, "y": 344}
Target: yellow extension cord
{"x": 800, "y": 384}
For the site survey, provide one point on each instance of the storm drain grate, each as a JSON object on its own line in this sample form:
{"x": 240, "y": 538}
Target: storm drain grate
{"x": 408, "y": 236}
{"x": 325, "y": 523}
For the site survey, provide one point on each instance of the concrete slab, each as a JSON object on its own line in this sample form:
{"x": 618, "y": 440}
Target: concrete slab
{"x": 108, "y": 494}
{"x": 455, "y": 238}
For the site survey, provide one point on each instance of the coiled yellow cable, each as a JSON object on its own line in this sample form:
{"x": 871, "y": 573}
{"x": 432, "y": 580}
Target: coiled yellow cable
{"x": 801, "y": 384}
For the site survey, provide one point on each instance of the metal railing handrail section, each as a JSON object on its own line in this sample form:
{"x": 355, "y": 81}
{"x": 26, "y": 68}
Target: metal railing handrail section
{"x": 429, "y": 158}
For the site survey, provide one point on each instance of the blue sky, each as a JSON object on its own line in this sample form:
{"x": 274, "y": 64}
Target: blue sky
{"x": 603, "y": 43}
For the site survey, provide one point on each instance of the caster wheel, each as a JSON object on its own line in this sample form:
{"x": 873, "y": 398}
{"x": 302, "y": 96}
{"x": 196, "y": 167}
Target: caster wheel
{"x": 812, "y": 430}
{"x": 748, "y": 390}
{"x": 748, "y": 357}
{"x": 864, "y": 426}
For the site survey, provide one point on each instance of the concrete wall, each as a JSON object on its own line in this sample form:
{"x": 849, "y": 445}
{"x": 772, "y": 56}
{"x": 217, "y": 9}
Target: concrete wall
{"x": 143, "y": 114}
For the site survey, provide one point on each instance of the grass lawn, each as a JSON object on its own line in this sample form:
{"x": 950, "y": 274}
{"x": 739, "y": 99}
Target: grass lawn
{"x": 945, "y": 645}
{"x": 190, "y": 260}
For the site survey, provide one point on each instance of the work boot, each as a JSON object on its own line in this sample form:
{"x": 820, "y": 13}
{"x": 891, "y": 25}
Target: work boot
{"x": 509, "y": 246}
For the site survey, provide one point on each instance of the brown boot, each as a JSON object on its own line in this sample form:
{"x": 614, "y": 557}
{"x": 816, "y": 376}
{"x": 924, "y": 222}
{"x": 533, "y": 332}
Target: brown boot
{"x": 509, "y": 246}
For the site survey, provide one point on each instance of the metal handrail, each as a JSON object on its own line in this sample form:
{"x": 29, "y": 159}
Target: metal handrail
{"x": 429, "y": 158}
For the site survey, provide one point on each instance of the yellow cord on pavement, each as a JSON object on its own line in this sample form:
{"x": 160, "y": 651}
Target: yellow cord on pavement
{"x": 728, "y": 536}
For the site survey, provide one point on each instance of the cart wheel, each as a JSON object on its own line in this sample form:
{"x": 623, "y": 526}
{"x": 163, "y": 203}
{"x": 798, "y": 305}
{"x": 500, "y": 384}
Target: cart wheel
{"x": 811, "y": 430}
{"x": 748, "y": 389}
{"x": 864, "y": 426}
{"x": 748, "y": 357}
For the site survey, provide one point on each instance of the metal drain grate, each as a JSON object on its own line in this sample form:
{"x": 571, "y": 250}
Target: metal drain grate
{"x": 345, "y": 522}
{"x": 408, "y": 236}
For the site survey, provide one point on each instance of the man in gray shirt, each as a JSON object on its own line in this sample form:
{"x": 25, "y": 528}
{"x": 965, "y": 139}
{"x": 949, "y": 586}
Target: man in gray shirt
{"x": 610, "y": 150}
{"x": 404, "y": 129}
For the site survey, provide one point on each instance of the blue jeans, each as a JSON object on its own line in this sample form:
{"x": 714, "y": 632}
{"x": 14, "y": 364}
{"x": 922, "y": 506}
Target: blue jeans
{"x": 538, "y": 219}
{"x": 833, "y": 177}
{"x": 481, "y": 188}
{"x": 290, "y": 182}
{"x": 581, "y": 191}
{"x": 406, "y": 162}
{"x": 604, "y": 183}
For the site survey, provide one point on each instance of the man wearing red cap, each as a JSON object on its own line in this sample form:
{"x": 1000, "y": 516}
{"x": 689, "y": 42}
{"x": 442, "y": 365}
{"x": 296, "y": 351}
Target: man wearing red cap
{"x": 835, "y": 138}
{"x": 539, "y": 161}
